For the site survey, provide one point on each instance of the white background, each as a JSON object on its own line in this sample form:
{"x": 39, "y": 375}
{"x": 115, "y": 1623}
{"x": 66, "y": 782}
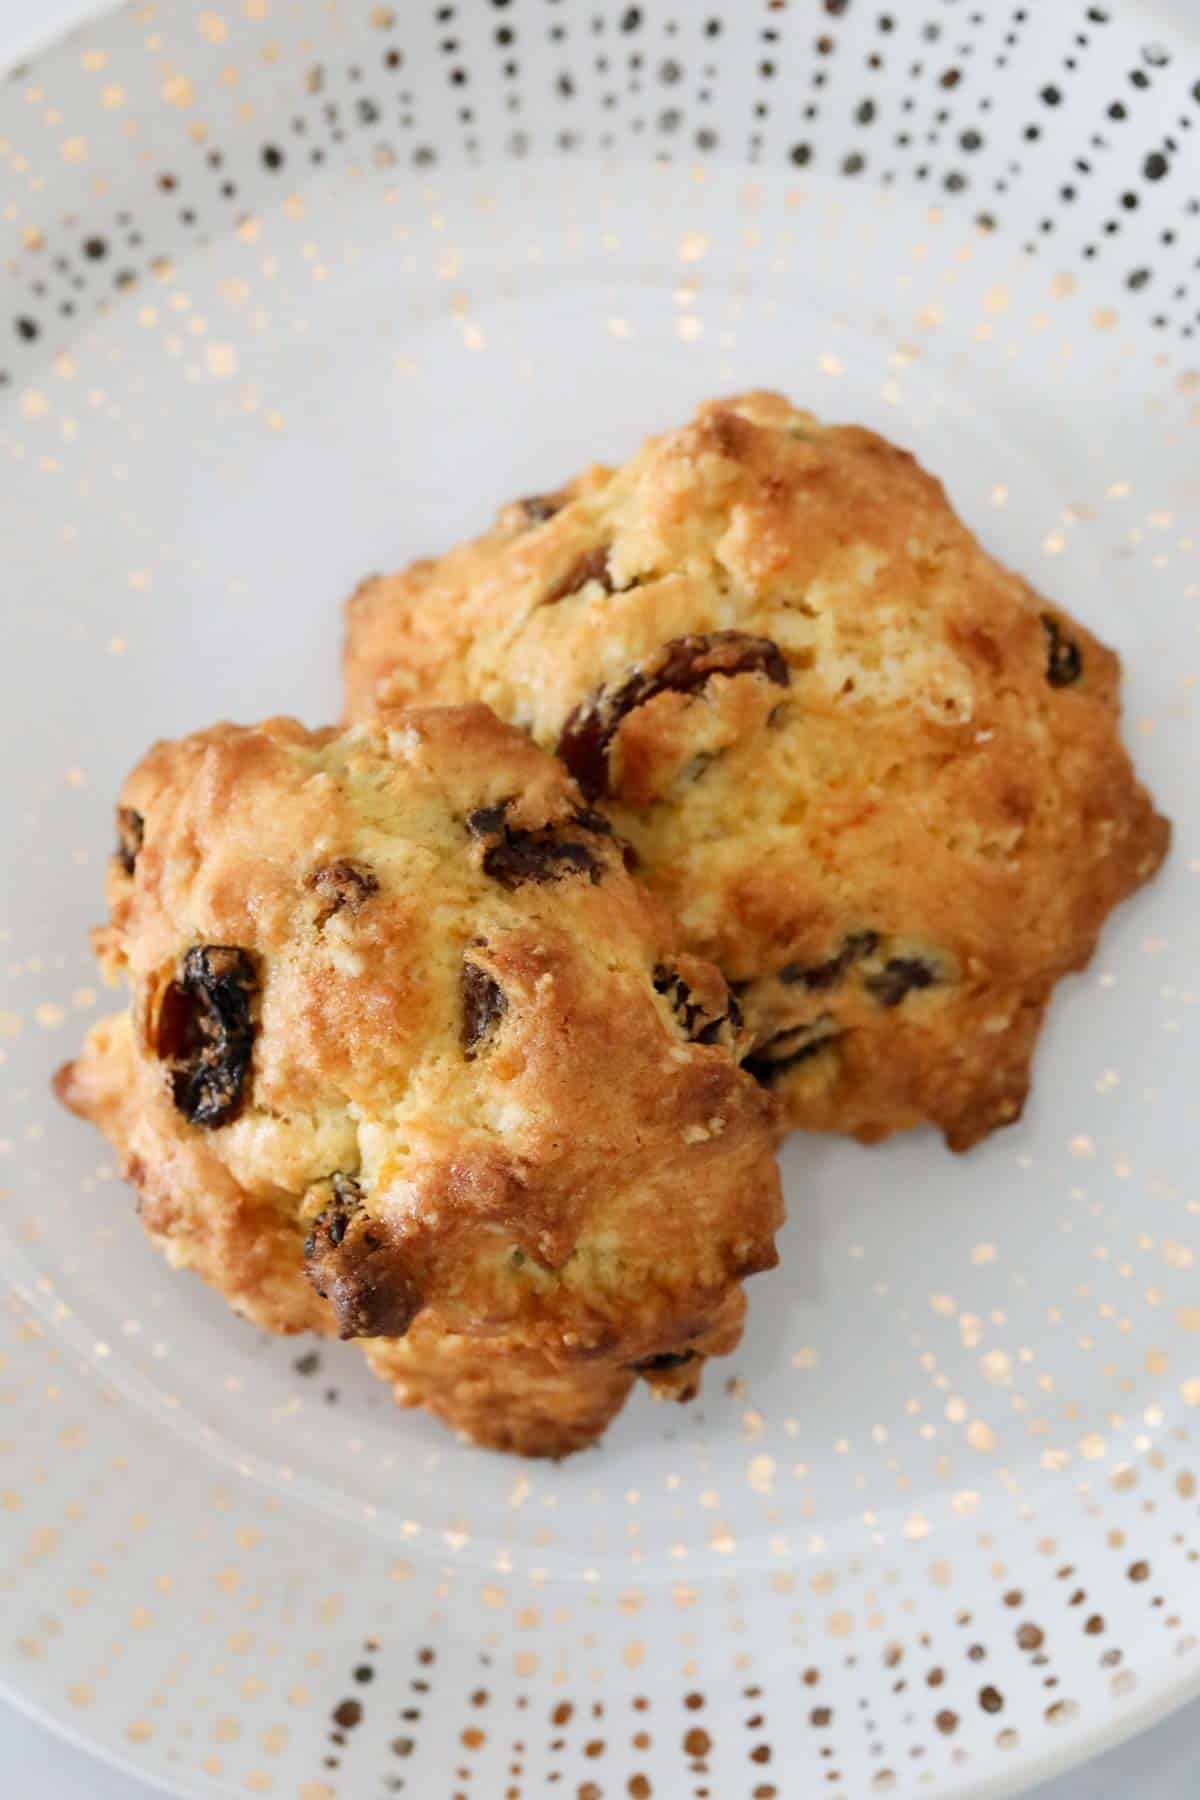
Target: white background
{"x": 1161, "y": 1764}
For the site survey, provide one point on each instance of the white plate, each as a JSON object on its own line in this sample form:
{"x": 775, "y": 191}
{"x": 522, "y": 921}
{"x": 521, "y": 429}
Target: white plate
{"x": 297, "y": 292}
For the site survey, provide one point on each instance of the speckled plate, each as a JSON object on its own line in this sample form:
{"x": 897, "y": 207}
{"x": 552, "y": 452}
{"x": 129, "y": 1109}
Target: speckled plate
{"x": 296, "y": 290}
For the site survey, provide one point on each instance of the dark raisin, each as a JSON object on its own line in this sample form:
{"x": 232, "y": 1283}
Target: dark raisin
{"x": 513, "y": 855}
{"x": 205, "y": 1033}
{"x": 352, "y": 1267}
{"x": 787, "y": 1049}
{"x": 131, "y": 829}
{"x": 698, "y": 1023}
{"x": 668, "y": 1359}
{"x": 540, "y": 507}
{"x": 342, "y": 885}
{"x": 899, "y": 977}
{"x": 682, "y": 666}
{"x": 484, "y": 1004}
{"x": 332, "y": 1223}
{"x": 1064, "y": 660}
{"x": 487, "y": 821}
{"x": 819, "y": 977}
{"x": 588, "y": 819}
{"x": 591, "y": 566}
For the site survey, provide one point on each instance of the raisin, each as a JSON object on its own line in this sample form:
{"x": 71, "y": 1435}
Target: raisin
{"x": 592, "y": 565}
{"x": 342, "y": 885}
{"x": 668, "y": 1359}
{"x": 787, "y": 1049}
{"x": 205, "y": 1033}
{"x": 332, "y": 1223}
{"x": 683, "y": 666}
{"x": 819, "y": 977}
{"x": 540, "y": 507}
{"x": 513, "y": 855}
{"x": 700, "y": 1025}
{"x": 588, "y": 819}
{"x": 899, "y": 977}
{"x": 484, "y": 1004}
{"x": 131, "y": 829}
{"x": 1064, "y": 659}
{"x": 350, "y": 1265}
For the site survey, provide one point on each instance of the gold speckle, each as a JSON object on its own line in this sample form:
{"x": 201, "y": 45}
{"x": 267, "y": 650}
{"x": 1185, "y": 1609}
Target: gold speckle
{"x": 74, "y": 150}
{"x": 1190, "y": 1390}
{"x": 965, "y": 1503}
{"x": 692, "y": 246}
{"x": 177, "y": 91}
{"x": 80, "y": 1694}
{"x": 49, "y": 1015}
{"x": 113, "y": 96}
{"x": 620, "y": 328}
{"x": 829, "y": 364}
{"x": 983, "y": 1253}
{"x": 139, "y": 1731}
{"x": 1104, "y": 318}
{"x": 916, "y": 1526}
{"x": 760, "y": 1474}
{"x": 688, "y": 328}
{"x": 221, "y": 360}
{"x": 139, "y": 579}
{"x": 10, "y": 1023}
{"x": 996, "y": 300}
{"x": 839, "y": 1624}
{"x": 34, "y": 403}
{"x": 981, "y": 1437}
{"x": 213, "y": 27}
{"x": 1092, "y": 1447}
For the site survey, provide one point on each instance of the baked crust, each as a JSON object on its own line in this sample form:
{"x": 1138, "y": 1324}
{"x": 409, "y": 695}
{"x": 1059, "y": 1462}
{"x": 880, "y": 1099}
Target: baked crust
{"x": 878, "y": 780}
{"x": 378, "y": 981}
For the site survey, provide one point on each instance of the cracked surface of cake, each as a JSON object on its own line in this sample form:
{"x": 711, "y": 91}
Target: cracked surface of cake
{"x": 410, "y": 1057}
{"x": 877, "y": 778}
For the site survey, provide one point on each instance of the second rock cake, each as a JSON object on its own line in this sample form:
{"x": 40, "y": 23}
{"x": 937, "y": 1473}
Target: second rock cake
{"x": 877, "y": 778}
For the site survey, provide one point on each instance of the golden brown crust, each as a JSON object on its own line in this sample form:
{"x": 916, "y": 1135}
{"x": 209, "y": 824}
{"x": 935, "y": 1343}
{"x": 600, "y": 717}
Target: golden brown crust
{"x": 507, "y": 1397}
{"x": 378, "y": 979}
{"x": 877, "y": 779}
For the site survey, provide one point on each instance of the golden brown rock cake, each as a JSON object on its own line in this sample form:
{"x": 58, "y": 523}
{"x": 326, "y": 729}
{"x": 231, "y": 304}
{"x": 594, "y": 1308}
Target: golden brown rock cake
{"x": 876, "y": 777}
{"x": 411, "y": 1057}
